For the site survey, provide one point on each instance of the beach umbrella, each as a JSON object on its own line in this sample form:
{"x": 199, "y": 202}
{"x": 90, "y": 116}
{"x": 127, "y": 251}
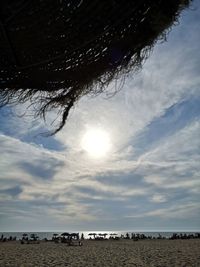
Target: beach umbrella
{"x": 75, "y": 235}
{"x": 24, "y": 236}
{"x": 92, "y": 234}
{"x": 34, "y": 236}
{"x": 100, "y": 234}
{"x": 55, "y": 234}
{"x": 65, "y": 234}
{"x": 54, "y": 52}
{"x": 113, "y": 235}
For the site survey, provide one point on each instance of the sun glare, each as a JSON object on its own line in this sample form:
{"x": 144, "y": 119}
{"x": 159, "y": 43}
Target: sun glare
{"x": 96, "y": 142}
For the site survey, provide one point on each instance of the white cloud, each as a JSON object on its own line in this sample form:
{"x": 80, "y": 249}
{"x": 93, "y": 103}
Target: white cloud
{"x": 177, "y": 211}
{"x": 157, "y": 198}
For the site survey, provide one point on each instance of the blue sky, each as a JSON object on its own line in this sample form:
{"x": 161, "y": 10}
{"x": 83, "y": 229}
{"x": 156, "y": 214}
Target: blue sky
{"x": 148, "y": 180}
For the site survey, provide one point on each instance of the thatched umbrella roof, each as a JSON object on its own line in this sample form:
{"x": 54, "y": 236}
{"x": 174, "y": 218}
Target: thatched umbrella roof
{"x": 52, "y": 52}
{"x": 34, "y": 236}
{"x": 65, "y": 234}
{"x": 55, "y": 234}
{"x": 25, "y": 234}
{"x": 92, "y": 234}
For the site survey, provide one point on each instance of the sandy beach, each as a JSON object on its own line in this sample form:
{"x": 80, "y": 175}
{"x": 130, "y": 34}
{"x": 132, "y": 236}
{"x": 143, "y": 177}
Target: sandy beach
{"x": 143, "y": 253}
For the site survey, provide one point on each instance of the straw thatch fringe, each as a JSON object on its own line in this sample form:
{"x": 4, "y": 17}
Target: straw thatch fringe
{"x": 54, "y": 52}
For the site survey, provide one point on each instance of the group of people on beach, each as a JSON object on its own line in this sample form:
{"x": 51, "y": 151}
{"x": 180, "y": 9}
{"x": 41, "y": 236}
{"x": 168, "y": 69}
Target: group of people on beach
{"x": 10, "y": 238}
{"x": 75, "y": 238}
{"x": 172, "y": 237}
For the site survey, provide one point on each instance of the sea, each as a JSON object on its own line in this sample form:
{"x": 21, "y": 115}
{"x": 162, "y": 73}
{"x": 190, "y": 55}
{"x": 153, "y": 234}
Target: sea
{"x": 87, "y": 234}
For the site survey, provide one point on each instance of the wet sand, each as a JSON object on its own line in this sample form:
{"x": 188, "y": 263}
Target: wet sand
{"x": 148, "y": 253}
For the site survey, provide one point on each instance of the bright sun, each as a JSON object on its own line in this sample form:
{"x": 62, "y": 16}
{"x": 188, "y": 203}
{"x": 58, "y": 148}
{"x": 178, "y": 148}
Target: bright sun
{"x": 96, "y": 142}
